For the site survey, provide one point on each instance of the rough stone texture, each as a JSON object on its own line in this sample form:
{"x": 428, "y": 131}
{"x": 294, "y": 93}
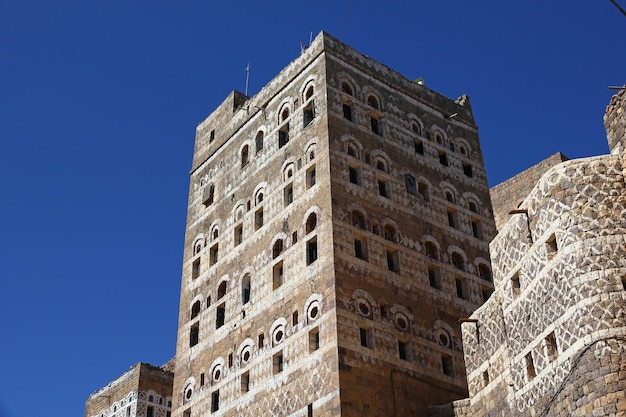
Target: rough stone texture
{"x": 551, "y": 339}
{"x": 615, "y": 122}
{"x": 508, "y": 195}
{"x": 414, "y": 356}
{"x": 131, "y": 394}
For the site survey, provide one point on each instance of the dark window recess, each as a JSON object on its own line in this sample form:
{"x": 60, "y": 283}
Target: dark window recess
{"x": 392, "y": 261}
{"x": 283, "y": 135}
{"x": 354, "y": 176}
{"x": 215, "y": 401}
{"x": 310, "y": 177}
{"x": 411, "y": 185}
{"x": 220, "y": 316}
{"x": 259, "y": 142}
{"x": 314, "y": 340}
{"x": 309, "y": 410}
{"x": 443, "y": 158}
{"x": 277, "y": 363}
{"x": 359, "y": 249}
{"x": 402, "y": 351}
{"x": 383, "y": 188}
{"x": 433, "y": 279}
{"x": 311, "y": 251}
{"x": 194, "y": 334}
{"x": 374, "y": 124}
{"x": 212, "y": 136}
{"x": 419, "y": 147}
{"x": 195, "y": 269}
{"x": 347, "y": 112}
{"x": 366, "y": 337}
{"x": 258, "y": 219}
{"x": 446, "y": 365}
{"x": 150, "y": 411}
{"x": 467, "y": 170}
{"x": 308, "y": 114}
{"x": 208, "y": 195}
{"x": 460, "y": 290}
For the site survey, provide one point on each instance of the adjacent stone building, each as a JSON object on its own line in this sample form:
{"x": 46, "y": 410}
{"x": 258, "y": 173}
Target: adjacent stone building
{"x": 551, "y": 340}
{"x": 143, "y": 391}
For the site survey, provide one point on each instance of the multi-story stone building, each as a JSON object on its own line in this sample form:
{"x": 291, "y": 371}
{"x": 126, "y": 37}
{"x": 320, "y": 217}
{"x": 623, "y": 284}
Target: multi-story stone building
{"x": 143, "y": 391}
{"x": 338, "y": 227}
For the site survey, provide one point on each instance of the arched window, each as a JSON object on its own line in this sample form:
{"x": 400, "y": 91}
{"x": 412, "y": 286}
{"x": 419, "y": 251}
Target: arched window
{"x": 221, "y": 290}
{"x": 431, "y": 250}
{"x": 473, "y": 207}
{"x": 358, "y": 220}
{"x": 347, "y": 88}
{"x": 390, "y": 233}
{"x": 277, "y": 249}
{"x": 382, "y": 165}
{"x": 458, "y": 261}
{"x": 309, "y": 107}
{"x": 311, "y": 223}
{"x": 416, "y": 128}
{"x": 259, "y": 141}
{"x": 259, "y": 197}
{"x": 245, "y": 289}
{"x": 195, "y": 309}
{"x": 484, "y": 272}
{"x": 353, "y": 151}
{"x": 244, "y": 156}
{"x": 372, "y": 102}
{"x": 215, "y": 233}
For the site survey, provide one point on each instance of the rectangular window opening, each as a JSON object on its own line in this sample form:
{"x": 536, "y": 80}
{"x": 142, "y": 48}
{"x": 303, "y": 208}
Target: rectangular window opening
{"x": 150, "y": 411}
{"x": 447, "y": 365}
{"x": 392, "y": 261}
{"x": 443, "y": 158}
{"x": 278, "y": 277}
{"x": 314, "y": 340}
{"x": 309, "y": 410}
{"x": 410, "y": 184}
{"x": 551, "y": 347}
{"x": 261, "y": 340}
{"x": 195, "y": 269}
{"x": 403, "y": 351}
{"x": 355, "y": 175}
{"x": 461, "y": 291}
{"x": 245, "y": 382}
{"x": 214, "y": 254}
{"x": 366, "y": 337}
{"x": 220, "y": 315}
{"x": 194, "y": 334}
{"x": 288, "y": 194}
{"x": 308, "y": 115}
{"x": 283, "y": 135}
{"x": 375, "y": 125}
{"x": 258, "y": 219}
{"x": 515, "y": 284}
{"x": 418, "y": 146}
{"x": 311, "y": 251}
{"x": 238, "y": 235}
{"x": 467, "y": 170}
{"x": 476, "y": 229}
{"x": 360, "y": 248}
{"x": 433, "y": 277}
{"x": 530, "y": 366}
{"x": 277, "y": 363}
{"x": 215, "y": 401}
{"x": 383, "y": 188}
{"x": 451, "y": 218}
{"x": 310, "y": 177}
{"x": 347, "y": 112}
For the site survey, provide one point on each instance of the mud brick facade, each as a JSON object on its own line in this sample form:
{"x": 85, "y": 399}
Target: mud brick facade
{"x": 144, "y": 390}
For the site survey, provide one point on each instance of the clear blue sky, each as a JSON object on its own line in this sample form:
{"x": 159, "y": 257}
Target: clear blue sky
{"x": 99, "y": 101}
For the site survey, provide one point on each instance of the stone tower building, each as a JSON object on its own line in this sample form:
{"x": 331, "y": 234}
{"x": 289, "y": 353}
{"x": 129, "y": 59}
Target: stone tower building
{"x": 338, "y": 227}
{"x": 551, "y": 340}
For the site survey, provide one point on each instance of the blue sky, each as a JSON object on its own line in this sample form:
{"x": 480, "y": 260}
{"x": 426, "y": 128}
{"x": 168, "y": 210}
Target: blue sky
{"x": 98, "y": 107}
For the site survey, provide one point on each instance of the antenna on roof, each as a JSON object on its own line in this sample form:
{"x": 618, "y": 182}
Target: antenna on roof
{"x": 615, "y": 87}
{"x": 247, "y": 77}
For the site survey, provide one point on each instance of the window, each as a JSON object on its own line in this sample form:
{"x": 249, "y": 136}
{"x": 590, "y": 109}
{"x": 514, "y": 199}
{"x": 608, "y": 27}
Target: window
{"x": 515, "y": 284}
{"x": 311, "y": 251}
{"x": 392, "y": 260}
{"x": 375, "y": 124}
{"x": 238, "y": 234}
{"x": 382, "y": 165}
{"x": 431, "y": 250}
{"x": 486, "y": 293}
{"x": 277, "y": 275}
{"x": 294, "y": 237}
{"x": 360, "y": 248}
{"x": 288, "y": 194}
{"x": 552, "y": 246}
{"x": 403, "y": 351}
{"x": 195, "y": 309}
{"x": 461, "y": 290}
{"x": 467, "y": 170}
{"x": 358, "y": 220}
{"x": 451, "y": 218}
{"x": 422, "y": 190}
{"x": 202, "y": 379}
{"x": 353, "y": 151}
{"x": 346, "y": 88}
{"x": 416, "y": 128}
{"x": 214, "y": 254}
{"x": 310, "y": 177}
{"x": 215, "y": 401}
{"x": 410, "y": 184}
{"x": 221, "y": 290}
{"x": 355, "y": 175}
{"x": 277, "y": 363}
{"x": 208, "y": 195}
{"x": 244, "y": 156}
{"x": 418, "y": 146}
{"x": 309, "y": 410}
{"x": 245, "y": 289}
{"x": 433, "y": 277}
{"x": 458, "y": 261}
{"x": 443, "y": 158}
{"x": 212, "y": 136}
{"x": 366, "y": 337}
{"x": 384, "y": 189}
{"x": 530, "y": 366}
{"x": 450, "y": 196}
{"x": 311, "y": 223}
{"x": 187, "y": 413}
{"x": 283, "y": 135}
{"x": 261, "y": 340}
{"x": 294, "y": 318}
{"x": 195, "y": 269}
{"x": 194, "y": 334}
{"x": 551, "y": 348}
{"x": 372, "y": 102}
{"x": 258, "y": 141}
{"x": 473, "y": 207}
{"x": 447, "y": 365}
{"x": 258, "y": 219}
{"x": 308, "y": 113}
{"x": 245, "y": 382}
{"x": 624, "y": 283}
{"x": 150, "y": 411}
{"x": 485, "y": 378}
{"x": 220, "y": 315}
{"x": 390, "y": 233}
{"x": 484, "y": 272}
{"x": 347, "y": 111}
{"x": 314, "y": 339}
{"x": 477, "y": 229}
{"x": 277, "y": 249}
